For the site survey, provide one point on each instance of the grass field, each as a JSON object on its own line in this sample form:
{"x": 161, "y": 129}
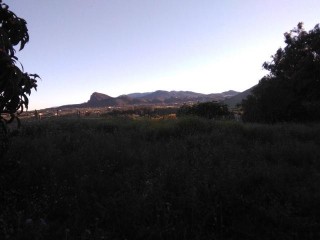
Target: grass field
{"x": 187, "y": 178}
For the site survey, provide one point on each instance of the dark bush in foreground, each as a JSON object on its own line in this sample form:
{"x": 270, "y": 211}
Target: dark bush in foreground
{"x": 178, "y": 179}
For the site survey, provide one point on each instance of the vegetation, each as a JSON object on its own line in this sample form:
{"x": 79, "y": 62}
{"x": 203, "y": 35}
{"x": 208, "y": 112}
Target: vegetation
{"x": 291, "y": 90}
{"x": 185, "y": 178}
{"x": 188, "y": 178}
{"x": 143, "y": 111}
{"x": 208, "y": 110}
{"x": 15, "y": 84}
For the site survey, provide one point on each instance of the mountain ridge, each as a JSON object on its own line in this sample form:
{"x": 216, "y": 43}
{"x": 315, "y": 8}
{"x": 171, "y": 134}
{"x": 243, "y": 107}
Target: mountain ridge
{"x": 158, "y": 97}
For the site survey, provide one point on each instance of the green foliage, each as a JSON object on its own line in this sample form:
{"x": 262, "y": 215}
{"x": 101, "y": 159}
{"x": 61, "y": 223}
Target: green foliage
{"x": 206, "y": 109}
{"x": 188, "y": 178}
{"x": 15, "y": 84}
{"x": 291, "y": 90}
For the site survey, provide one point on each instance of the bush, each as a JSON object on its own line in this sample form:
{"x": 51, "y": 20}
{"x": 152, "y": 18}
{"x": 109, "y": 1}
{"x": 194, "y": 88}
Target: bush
{"x": 208, "y": 110}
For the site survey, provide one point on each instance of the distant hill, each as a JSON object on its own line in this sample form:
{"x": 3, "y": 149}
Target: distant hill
{"x": 171, "y": 96}
{"x": 229, "y": 93}
{"x": 138, "y": 95}
{"x": 237, "y": 98}
{"x": 159, "y": 97}
{"x": 164, "y": 95}
{"x": 97, "y": 97}
{"x": 102, "y": 100}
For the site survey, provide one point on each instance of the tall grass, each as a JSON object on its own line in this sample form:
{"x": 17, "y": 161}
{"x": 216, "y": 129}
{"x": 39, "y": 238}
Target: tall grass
{"x": 167, "y": 179}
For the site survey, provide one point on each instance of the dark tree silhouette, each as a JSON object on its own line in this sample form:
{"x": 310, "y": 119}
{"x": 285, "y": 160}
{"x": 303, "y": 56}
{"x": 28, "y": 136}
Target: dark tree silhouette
{"x": 291, "y": 90}
{"x": 15, "y": 84}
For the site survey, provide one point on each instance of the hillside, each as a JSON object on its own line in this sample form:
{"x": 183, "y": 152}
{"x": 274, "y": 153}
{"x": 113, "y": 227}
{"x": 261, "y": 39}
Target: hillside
{"x": 236, "y": 99}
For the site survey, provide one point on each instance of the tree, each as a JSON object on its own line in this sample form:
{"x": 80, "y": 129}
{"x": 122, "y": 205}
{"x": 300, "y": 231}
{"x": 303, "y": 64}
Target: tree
{"x": 15, "y": 84}
{"x": 291, "y": 90}
{"x": 206, "y": 109}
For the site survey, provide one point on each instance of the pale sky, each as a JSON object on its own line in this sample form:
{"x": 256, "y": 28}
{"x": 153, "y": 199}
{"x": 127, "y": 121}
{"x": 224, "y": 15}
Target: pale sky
{"x": 123, "y": 46}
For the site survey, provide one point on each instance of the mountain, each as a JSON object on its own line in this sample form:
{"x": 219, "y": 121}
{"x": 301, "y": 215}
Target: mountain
{"x": 102, "y": 100}
{"x": 229, "y": 93}
{"x": 138, "y": 95}
{"x": 159, "y": 97}
{"x": 237, "y": 98}
{"x": 97, "y": 97}
{"x": 164, "y": 95}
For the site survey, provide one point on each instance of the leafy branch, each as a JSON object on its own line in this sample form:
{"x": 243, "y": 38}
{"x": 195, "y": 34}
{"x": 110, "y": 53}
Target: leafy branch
{"x": 15, "y": 84}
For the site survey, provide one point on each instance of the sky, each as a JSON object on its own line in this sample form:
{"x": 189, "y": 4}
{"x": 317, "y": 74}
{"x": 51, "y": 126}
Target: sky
{"x": 119, "y": 47}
